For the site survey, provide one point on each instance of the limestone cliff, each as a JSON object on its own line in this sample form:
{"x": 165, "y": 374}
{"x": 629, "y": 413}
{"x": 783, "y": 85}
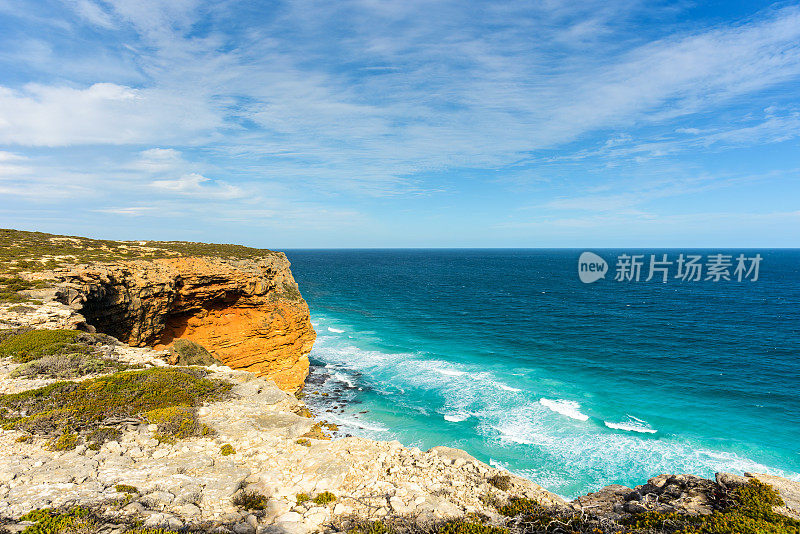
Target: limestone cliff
{"x": 248, "y": 313}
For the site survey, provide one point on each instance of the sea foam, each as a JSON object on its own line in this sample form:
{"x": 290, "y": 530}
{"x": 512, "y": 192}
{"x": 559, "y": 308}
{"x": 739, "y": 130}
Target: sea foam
{"x": 565, "y": 407}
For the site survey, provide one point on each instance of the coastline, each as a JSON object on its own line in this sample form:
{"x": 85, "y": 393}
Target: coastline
{"x": 550, "y": 383}
{"x": 252, "y": 454}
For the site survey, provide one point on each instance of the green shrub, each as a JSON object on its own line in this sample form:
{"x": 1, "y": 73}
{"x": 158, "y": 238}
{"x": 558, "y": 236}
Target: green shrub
{"x": 21, "y": 309}
{"x": 227, "y": 450}
{"x": 750, "y": 513}
{"x": 501, "y": 482}
{"x": 302, "y": 497}
{"x": 519, "y": 505}
{"x": 65, "y": 442}
{"x": 48, "y": 521}
{"x": 304, "y": 442}
{"x": 66, "y": 366}
{"x": 9, "y": 287}
{"x": 250, "y": 500}
{"x": 467, "y": 527}
{"x": 98, "y": 436}
{"x": 178, "y": 422}
{"x": 371, "y": 527}
{"x": 33, "y": 344}
{"x": 125, "y": 488}
{"x": 326, "y": 497}
{"x": 123, "y": 395}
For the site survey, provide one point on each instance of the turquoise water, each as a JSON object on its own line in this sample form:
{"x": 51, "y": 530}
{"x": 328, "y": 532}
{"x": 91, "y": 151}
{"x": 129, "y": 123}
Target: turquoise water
{"x": 506, "y": 354}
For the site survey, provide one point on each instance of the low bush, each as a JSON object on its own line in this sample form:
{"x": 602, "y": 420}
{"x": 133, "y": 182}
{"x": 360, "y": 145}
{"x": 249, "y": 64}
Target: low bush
{"x": 468, "y": 527}
{"x": 751, "y": 513}
{"x": 302, "y": 497}
{"x": 65, "y": 442}
{"x": 227, "y": 450}
{"x": 67, "y": 366}
{"x": 11, "y": 285}
{"x": 501, "y": 482}
{"x": 177, "y": 422}
{"x": 107, "y": 400}
{"x": 250, "y": 500}
{"x": 48, "y": 521}
{"x": 25, "y": 346}
{"x": 126, "y": 488}
{"x": 326, "y": 497}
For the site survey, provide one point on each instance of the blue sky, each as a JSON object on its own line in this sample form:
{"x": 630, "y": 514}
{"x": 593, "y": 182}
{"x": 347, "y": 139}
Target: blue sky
{"x": 366, "y": 123}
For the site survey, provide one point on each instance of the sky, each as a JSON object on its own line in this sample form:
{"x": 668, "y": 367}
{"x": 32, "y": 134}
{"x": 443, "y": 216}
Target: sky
{"x": 367, "y": 123}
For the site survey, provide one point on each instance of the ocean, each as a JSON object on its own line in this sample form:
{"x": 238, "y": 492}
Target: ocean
{"x": 508, "y": 355}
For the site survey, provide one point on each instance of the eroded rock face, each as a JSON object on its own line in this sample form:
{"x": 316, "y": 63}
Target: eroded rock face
{"x": 249, "y": 313}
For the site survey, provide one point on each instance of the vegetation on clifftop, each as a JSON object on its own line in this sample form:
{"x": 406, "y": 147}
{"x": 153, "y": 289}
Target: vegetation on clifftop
{"x": 747, "y": 509}
{"x": 56, "y": 353}
{"x": 22, "y": 251}
{"x": 166, "y": 396}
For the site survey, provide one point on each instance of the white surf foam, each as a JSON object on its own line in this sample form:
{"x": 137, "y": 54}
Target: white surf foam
{"x": 351, "y": 422}
{"x": 341, "y": 377}
{"x": 631, "y": 427}
{"x": 335, "y": 330}
{"x": 456, "y": 417}
{"x": 506, "y": 388}
{"x": 450, "y": 372}
{"x": 565, "y": 407}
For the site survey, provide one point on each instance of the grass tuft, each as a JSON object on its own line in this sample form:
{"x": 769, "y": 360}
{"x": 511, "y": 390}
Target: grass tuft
{"x": 326, "y": 497}
{"x": 501, "y": 482}
{"x": 250, "y": 500}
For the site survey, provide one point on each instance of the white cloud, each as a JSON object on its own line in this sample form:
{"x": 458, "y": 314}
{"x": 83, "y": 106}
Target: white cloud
{"x": 197, "y": 184}
{"x": 104, "y": 113}
{"x": 130, "y": 211}
{"x": 92, "y": 12}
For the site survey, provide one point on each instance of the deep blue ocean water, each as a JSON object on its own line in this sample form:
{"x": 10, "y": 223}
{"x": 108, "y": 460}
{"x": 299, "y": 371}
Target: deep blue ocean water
{"x": 506, "y": 354}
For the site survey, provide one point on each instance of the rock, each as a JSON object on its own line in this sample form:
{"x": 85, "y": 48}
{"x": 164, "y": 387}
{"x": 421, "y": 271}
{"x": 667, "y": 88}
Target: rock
{"x": 133, "y": 508}
{"x": 451, "y": 454}
{"x": 188, "y": 352}
{"x": 244, "y": 528}
{"x": 248, "y": 313}
{"x": 161, "y": 521}
{"x": 606, "y": 501}
{"x": 729, "y": 481}
{"x": 157, "y": 500}
{"x": 275, "y": 508}
{"x": 189, "y": 510}
{"x": 635, "y": 507}
{"x": 289, "y": 517}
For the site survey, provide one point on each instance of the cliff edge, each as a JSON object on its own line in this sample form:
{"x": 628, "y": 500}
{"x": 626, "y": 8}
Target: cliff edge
{"x": 247, "y": 313}
{"x": 241, "y": 304}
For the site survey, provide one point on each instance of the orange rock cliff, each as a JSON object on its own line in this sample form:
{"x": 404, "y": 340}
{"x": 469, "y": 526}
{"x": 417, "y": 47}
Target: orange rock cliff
{"x": 248, "y": 313}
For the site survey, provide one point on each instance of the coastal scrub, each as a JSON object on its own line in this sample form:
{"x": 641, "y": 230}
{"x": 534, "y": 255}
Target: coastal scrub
{"x": 167, "y": 395}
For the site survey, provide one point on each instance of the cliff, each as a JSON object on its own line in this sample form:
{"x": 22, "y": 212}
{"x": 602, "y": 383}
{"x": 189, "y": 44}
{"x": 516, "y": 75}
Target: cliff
{"x": 248, "y": 313}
